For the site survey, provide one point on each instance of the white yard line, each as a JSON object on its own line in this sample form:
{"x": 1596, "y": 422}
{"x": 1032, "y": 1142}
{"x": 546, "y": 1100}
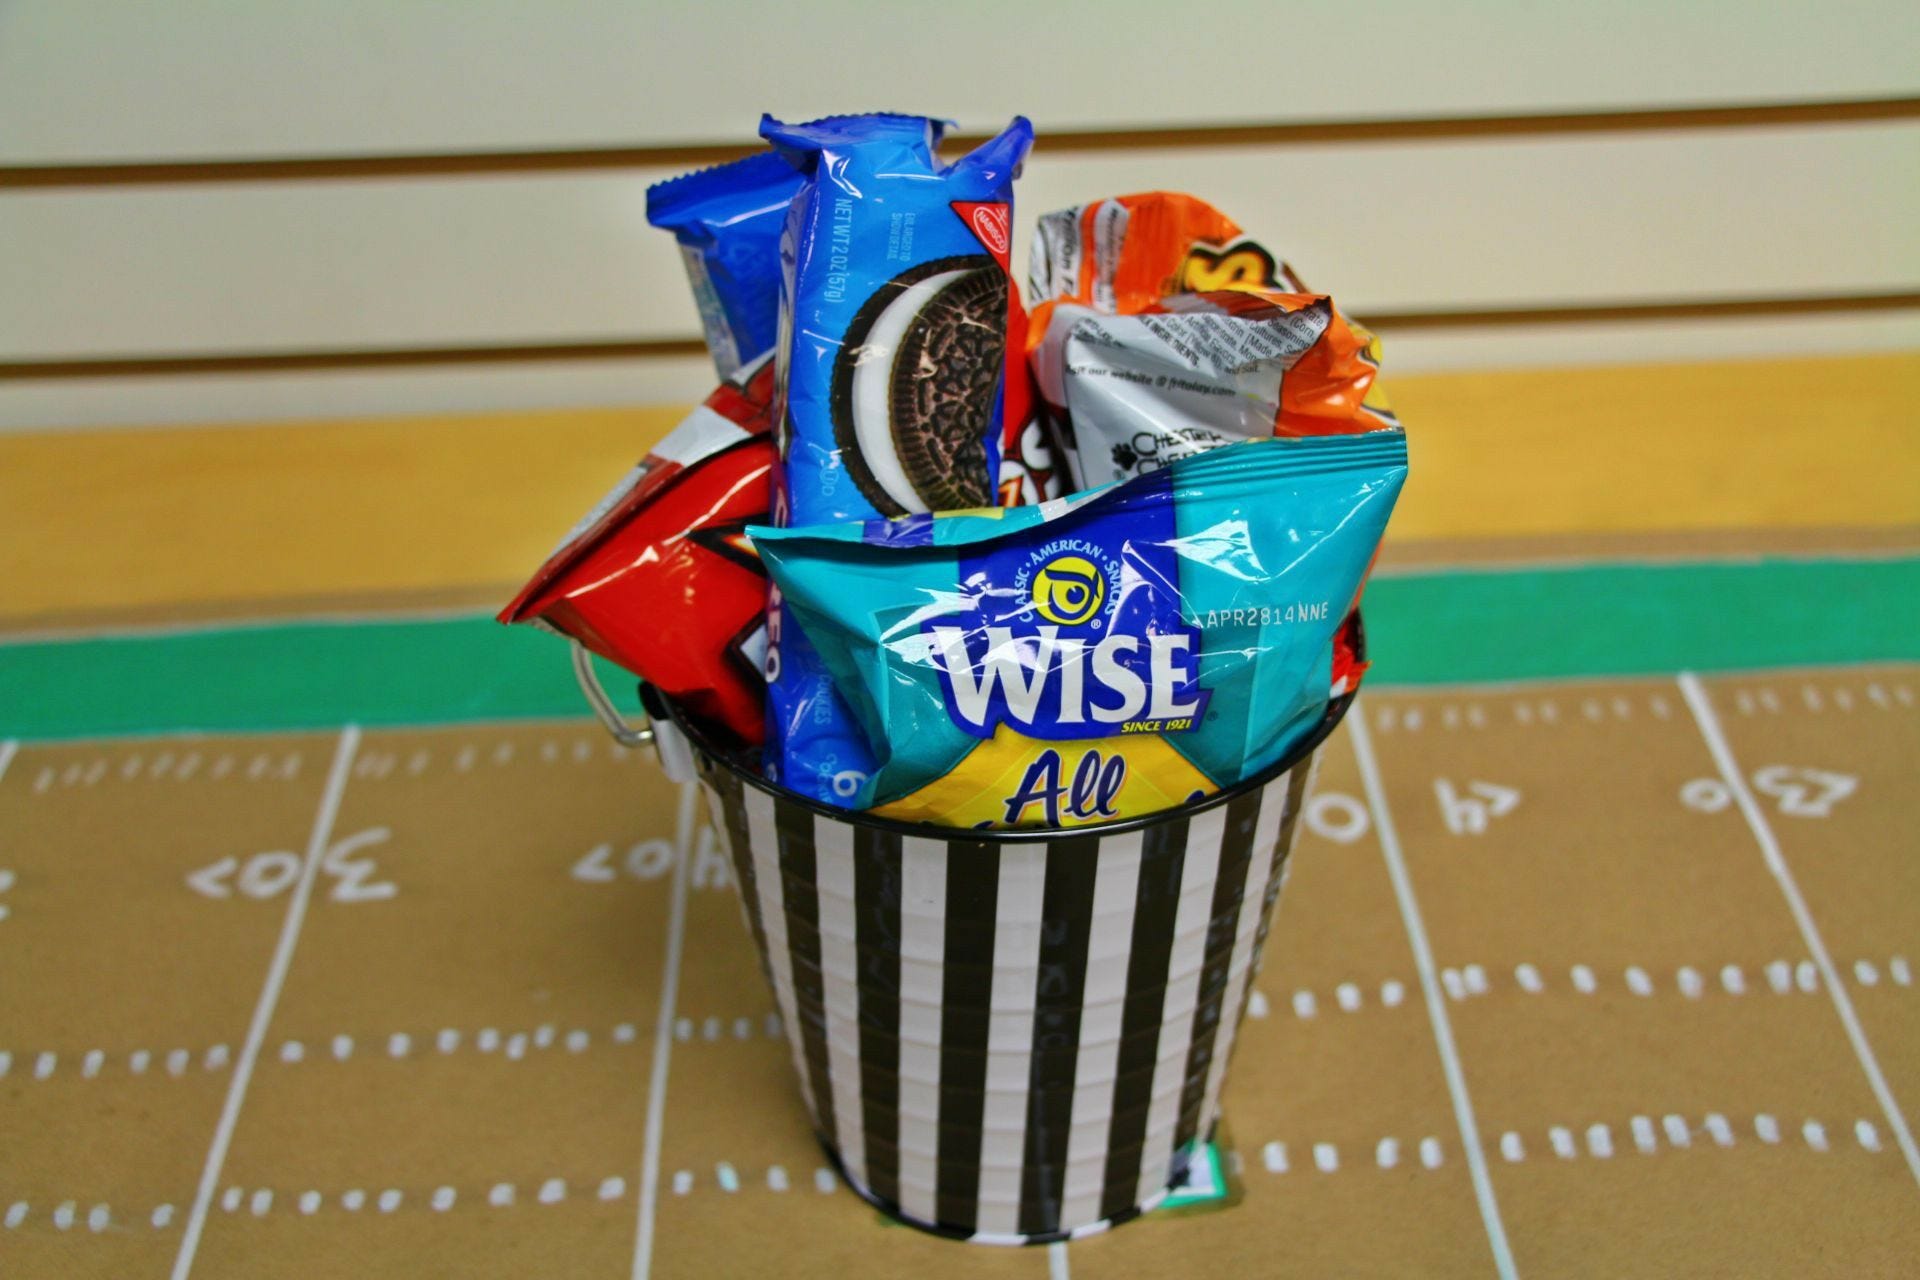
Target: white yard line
{"x": 7, "y": 750}
{"x": 1057, "y": 1261}
{"x": 663, "y": 1036}
{"x": 317, "y": 843}
{"x": 1696, "y": 696}
{"x": 1429, "y": 982}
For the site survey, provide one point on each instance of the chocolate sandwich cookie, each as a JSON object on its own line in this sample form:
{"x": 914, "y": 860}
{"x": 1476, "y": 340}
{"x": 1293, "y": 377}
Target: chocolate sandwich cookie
{"x": 915, "y": 383}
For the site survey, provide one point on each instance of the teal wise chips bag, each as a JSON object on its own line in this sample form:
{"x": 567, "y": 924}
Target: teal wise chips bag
{"x": 1101, "y": 656}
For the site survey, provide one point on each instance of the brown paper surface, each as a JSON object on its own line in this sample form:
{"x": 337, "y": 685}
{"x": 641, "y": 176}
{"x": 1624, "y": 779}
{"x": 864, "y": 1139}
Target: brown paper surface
{"x": 455, "y": 1069}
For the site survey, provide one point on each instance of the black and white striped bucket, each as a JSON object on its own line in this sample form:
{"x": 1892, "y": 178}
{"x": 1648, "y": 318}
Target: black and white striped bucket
{"x": 1011, "y": 1037}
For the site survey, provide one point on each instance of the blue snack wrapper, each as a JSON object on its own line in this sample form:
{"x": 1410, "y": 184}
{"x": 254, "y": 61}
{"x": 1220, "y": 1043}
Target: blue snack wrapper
{"x": 889, "y": 367}
{"x": 894, "y": 299}
{"x": 728, "y": 221}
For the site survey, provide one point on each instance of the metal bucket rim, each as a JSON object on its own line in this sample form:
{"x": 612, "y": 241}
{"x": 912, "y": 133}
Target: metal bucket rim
{"x": 1301, "y": 752}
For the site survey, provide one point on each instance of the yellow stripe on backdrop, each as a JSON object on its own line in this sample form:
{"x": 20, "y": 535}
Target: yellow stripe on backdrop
{"x": 1780, "y": 444}
{"x": 140, "y": 524}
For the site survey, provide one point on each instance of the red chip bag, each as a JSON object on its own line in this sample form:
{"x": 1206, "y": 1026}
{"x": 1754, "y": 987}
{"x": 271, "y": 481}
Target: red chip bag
{"x": 659, "y": 578}
{"x": 1348, "y": 666}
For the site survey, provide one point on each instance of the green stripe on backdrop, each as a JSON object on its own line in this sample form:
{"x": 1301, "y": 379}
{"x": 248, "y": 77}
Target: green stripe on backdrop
{"x": 1606, "y": 620}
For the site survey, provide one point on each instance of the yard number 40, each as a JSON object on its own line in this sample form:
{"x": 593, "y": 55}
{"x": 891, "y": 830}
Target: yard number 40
{"x": 654, "y": 859}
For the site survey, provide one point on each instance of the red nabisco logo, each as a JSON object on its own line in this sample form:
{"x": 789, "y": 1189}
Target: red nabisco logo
{"x": 989, "y": 224}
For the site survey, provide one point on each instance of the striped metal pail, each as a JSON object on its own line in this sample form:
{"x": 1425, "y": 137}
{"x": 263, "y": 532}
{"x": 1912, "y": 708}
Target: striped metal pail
{"x": 1010, "y": 1037}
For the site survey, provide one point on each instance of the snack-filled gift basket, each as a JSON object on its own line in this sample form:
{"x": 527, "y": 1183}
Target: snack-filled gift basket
{"x": 1001, "y": 634}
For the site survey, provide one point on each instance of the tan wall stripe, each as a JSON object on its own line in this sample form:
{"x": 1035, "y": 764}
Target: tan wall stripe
{"x": 1063, "y": 141}
{"x": 662, "y": 348}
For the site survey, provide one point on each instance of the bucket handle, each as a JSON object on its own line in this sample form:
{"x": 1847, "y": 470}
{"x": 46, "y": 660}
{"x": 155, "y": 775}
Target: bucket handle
{"x": 616, "y": 724}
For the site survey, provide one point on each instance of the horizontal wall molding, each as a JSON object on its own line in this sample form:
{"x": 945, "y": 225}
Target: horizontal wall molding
{"x": 1388, "y": 323}
{"x": 1708, "y": 309}
{"x": 1053, "y": 142}
{"x": 543, "y": 386}
{"x": 135, "y": 366}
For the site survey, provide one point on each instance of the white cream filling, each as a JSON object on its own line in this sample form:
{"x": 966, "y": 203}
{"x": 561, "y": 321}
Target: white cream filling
{"x": 873, "y": 389}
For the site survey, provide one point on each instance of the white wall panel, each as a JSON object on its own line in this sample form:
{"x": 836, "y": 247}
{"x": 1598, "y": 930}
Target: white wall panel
{"x": 84, "y": 403}
{"x": 270, "y": 266}
{"x": 1548, "y": 346}
{"x": 130, "y": 79}
{"x": 135, "y": 402}
{"x": 554, "y": 258}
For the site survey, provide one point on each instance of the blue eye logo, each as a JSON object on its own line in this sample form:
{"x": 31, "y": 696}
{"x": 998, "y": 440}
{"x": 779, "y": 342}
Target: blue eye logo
{"x": 1068, "y": 590}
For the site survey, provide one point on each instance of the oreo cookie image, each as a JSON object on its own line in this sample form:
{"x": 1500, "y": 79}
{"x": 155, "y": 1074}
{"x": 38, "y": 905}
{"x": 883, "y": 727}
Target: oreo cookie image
{"x": 916, "y": 383}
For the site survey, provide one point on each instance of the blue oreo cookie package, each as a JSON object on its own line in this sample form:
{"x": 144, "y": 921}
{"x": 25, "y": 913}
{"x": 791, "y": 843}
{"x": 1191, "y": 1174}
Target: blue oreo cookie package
{"x": 889, "y": 372}
{"x": 895, "y": 295}
{"x": 1102, "y": 656}
{"x": 728, "y": 221}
